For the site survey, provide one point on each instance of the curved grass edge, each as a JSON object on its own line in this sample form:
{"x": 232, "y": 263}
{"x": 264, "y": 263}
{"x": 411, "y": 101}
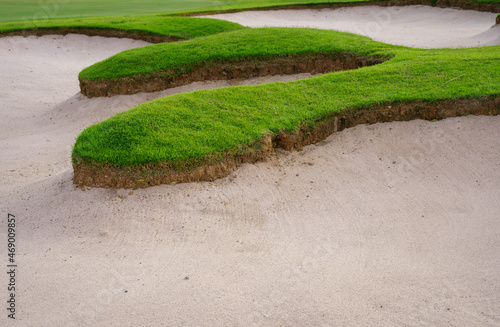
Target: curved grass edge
{"x": 105, "y": 175}
{"x": 161, "y": 78}
{"x": 150, "y": 28}
{"x": 96, "y": 31}
{"x": 104, "y": 28}
{"x": 314, "y": 63}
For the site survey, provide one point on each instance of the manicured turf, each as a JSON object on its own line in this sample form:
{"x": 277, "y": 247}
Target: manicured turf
{"x": 190, "y": 129}
{"x": 172, "y": 59}
{"x": 27, "y": 10}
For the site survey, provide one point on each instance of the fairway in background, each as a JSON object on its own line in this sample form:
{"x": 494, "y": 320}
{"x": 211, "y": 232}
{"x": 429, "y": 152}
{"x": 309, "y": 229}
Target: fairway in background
{"x": 15, "y": 10}
{"x": 23, "y": 10}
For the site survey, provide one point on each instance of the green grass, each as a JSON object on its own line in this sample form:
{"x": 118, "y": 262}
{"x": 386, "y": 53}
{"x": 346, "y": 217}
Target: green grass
{"x": 194, "y": 128}
{"x": 132, "y": 15}
{"x": 177, "y": 27}
{"x": 33, "y": 11}
{"x": 27, "y": 10}
{"x": 173, "y": 59}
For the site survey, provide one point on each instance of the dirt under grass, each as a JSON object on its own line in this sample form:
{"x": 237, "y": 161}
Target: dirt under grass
{"x": 151, "y": 174}
{"x": 247, "y": 68}
{"x": 182, "y": 138}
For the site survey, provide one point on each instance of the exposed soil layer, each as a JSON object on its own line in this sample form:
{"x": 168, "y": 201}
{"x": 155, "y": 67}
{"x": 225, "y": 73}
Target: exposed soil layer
{"x": 462, "y": 4}
{"x": 253, "y": 67}
{"x": 136, "y": 35}
{"x": 105, "y": 175}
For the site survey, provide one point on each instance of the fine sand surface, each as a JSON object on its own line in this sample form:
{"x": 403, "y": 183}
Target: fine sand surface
{"x": 411, "y": 26}
{"x": 394, "y": 224}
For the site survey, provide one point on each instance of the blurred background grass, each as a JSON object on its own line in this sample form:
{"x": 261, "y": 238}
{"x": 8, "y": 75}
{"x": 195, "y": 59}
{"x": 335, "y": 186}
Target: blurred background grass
{"x": 22, "y": 10}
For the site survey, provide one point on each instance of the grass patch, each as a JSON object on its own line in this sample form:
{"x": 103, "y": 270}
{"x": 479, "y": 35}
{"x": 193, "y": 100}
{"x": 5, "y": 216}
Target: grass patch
{"x": 187, "y": 130}
{"x": 172, "y": 59}
{"x": 177, "y": 27}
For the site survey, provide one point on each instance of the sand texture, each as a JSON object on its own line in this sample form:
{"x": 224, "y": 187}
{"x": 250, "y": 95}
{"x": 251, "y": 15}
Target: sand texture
{"x": 394, "y": 224}
{"x": 411, "y": 26}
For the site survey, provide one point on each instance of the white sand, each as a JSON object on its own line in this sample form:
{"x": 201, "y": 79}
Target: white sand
{"x": 382, "y": 225}
{"x": 412, "y": 26}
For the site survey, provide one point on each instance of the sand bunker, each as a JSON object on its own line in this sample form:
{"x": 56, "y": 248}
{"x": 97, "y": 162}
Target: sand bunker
{"x": 40, "y": 89}
{"x": 412, "y": 26}
{"x": 388, "y": 224}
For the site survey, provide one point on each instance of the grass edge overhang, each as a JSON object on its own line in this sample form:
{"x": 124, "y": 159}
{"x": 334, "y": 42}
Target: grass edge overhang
{"x": 243, "y": 68}
{"x": 94, "y": 174}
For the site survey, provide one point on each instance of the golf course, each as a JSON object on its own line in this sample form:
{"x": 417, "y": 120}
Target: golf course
{"x": 252, "y": 163}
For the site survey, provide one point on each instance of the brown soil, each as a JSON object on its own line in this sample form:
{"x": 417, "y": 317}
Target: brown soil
{"x": 136, "y": 35}
{"x": 105, "y": 175}
{"x": 309, "y": 63}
